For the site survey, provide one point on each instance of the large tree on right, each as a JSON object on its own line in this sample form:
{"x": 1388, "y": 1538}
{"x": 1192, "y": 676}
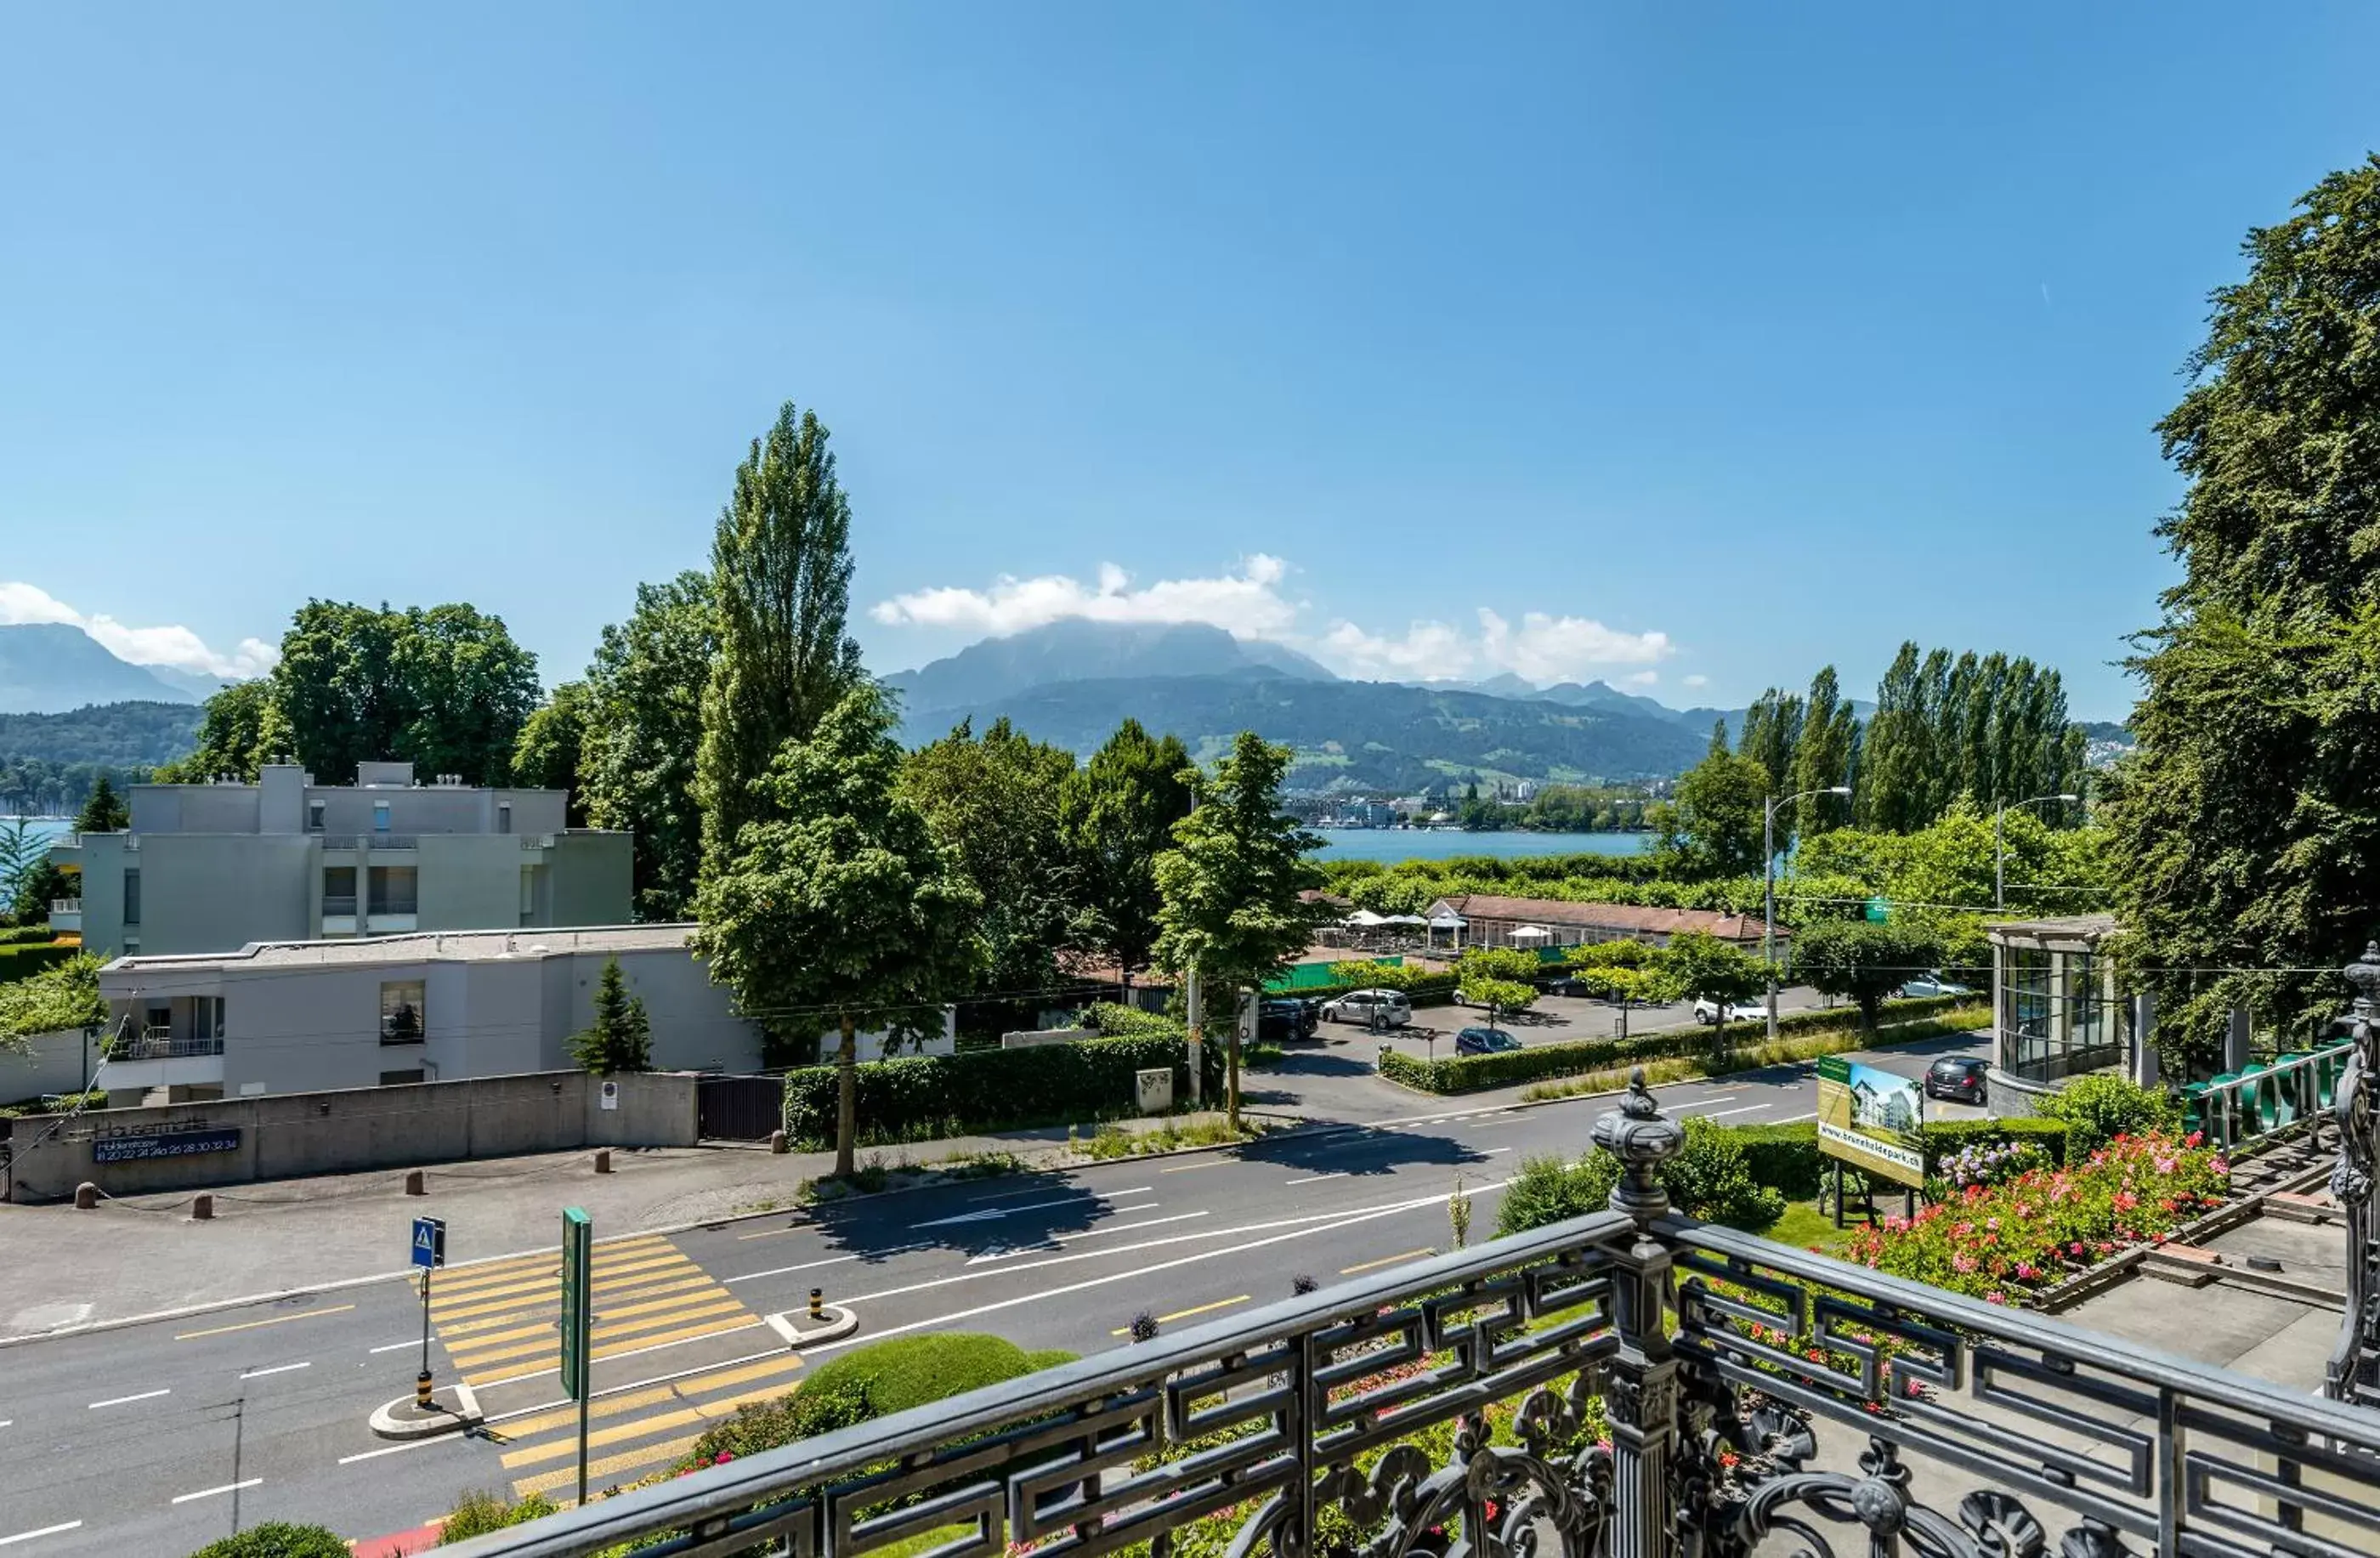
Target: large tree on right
{"x": 2248, "y": 823}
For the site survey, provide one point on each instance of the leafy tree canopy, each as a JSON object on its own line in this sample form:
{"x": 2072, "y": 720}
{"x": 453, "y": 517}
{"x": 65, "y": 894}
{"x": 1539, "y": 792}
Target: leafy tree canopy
{"x": 1862, "y": 962}
{"x": 1117, "y": 812}
{"x": 547, "y": 756}
{"x": 993, "y": 801}
{"x": 643, "y": 728}
{"x": 1713, "y": 826}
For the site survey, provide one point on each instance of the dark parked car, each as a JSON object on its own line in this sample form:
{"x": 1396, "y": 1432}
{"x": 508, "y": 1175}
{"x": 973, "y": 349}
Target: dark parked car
{"x": 1484, "y": 1042}
{"x": 1956, "y": 1076}
{"x": 1278, "y": 1022}
{"x": 1570, "y": 984}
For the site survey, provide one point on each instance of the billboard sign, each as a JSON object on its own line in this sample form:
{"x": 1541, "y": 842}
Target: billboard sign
{"x": 1872, "y": 1119}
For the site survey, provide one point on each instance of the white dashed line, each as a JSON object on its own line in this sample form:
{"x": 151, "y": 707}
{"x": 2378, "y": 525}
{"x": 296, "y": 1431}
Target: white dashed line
{"x": 276, "y": 1368}
{"x": 1318, "y": 1178}
{"x": 210, "y": 1493}
{"x": 44, "y": 1531}
{"x": 122, "y": 1399}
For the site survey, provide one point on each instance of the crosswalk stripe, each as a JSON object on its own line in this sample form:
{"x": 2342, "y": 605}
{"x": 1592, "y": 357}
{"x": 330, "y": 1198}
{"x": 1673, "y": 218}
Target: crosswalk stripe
{"x": 458, "y": 1338}
{"x": 549, "y": 1305}
{"x": 661, "y": 1422}
{"x": 611, "y": 1406}
{"x": 700, "y": 1309}
{"x": 527, "y": 1367}
{"x": 552, "y": 1279}
{"x": 461, "y": 1279}
{"x": 549, "y": 1290}
{"x": 644, "y": 1456}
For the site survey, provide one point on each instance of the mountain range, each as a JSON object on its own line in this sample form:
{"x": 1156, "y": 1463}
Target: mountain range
{"x": 49, "y": 668}
{"x": 1071, "y": 683}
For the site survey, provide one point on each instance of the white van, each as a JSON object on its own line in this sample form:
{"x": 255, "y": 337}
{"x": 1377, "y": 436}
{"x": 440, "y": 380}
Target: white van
{"x": 1388, "y": 1008}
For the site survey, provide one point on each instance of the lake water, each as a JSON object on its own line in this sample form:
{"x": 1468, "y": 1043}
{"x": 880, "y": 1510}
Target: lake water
{"x": 1416, "y": 843}
{"x": 41, "y": 827}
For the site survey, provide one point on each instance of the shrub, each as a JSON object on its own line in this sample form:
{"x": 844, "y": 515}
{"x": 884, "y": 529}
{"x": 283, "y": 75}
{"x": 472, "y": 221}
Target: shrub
{"x": 1785, "y": 1158}
{"x": 1116, "y": 1020}
{"x": 919, "y": 1097}
{"x": 1050, "y": 1358}
{"x": 1548, "y": 1189}
{"x": 871, "y": 1381}
{"x": 476, "y": 1513}
{"x": 2101, "y": 1107}
{"x": 276, "y": 1539}
{"x": 1944, "y": 1138}
{"x": 1711, "y": 1178}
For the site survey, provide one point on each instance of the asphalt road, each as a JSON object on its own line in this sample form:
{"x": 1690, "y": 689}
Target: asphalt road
{"x": 160, "y": 1436}
{"x": 1553, "y": 1019}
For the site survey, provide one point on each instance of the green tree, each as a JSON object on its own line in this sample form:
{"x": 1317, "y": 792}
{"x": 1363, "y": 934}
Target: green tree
{"x": 1229, "y": 886}
{"x": 834, "y": 905}
{"x": 1772, "y": 734}
{"x": 2246, "y": 821}
{"x": 1712, "y": 826}
{"x": 1498, "y": 978}
{"x": 781, "y": 584}
{"x": 21, "y": 850}
{"x": 37, "y": 889}
{"x": 621, "y": 1036}
{"x": 994, "y": 802}
{"x": 1823, "y": 758}
{"x": 104, "y": 812}
{"x": 1695, "y": 967}
{"x": 1117, "y": 812}
{"x": 242, "y": 729}
{"x": 548, "y": 755}
{"x": 644, "y": 727}
{"x": 1862, "y": 962}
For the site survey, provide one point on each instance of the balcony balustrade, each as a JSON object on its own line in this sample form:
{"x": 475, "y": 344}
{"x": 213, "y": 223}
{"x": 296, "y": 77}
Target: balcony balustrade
{"x": 1631, "y": 1383}
{"x": 159, "y": 1043}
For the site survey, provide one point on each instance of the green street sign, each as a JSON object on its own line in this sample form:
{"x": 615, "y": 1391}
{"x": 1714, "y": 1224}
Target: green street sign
{"x": 1879, "y": 910}
{"x": 577, "y": 1251}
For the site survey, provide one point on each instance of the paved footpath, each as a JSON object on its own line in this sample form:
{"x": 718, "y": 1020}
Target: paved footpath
{"x": 158, "y": 1436}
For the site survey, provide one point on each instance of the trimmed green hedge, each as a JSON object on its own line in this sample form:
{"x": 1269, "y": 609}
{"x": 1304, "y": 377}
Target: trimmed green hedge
{"x": 1422, "y": 990}
{"x": 919, "y": 1098}
{"x": 1897, "y": 1009}
{"x": 16, "y": 935}
{"x": 1577, "y": 1057}
{"x": 22, "y": 960}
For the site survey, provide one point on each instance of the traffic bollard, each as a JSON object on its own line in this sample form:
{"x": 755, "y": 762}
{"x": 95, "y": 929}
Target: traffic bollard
{"x": 603, "y": 1161}
{"x": 413, "y": 1183}
{"x": 202, "y": 1209}
{"x": 818, "y": 1303}
{"x": 777, "y": 1142}
{"x": 86, "y": 1197}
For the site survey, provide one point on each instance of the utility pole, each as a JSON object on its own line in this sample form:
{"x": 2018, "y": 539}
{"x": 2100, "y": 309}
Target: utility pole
{"x": 1192, "y": 1010}
{"x": 1768, "y": 894}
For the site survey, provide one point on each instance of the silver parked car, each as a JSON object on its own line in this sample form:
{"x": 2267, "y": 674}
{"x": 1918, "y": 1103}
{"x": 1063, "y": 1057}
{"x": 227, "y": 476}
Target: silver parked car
{"x": 1386, "y": 1008}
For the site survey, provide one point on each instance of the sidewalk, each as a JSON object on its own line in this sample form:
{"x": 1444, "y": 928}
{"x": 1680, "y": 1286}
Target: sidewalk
{"x": 143, "y": 1254}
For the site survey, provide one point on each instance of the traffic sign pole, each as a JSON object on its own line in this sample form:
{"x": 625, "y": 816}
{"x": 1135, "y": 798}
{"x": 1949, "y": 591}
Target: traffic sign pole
{"x": 578, "y": 1257}
{"x": 428, "y": 1254}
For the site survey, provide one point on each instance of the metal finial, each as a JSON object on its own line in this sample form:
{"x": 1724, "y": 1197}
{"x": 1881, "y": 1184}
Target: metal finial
{"x": 1637, "y": 1134}
{"x": 2365, "y": 975}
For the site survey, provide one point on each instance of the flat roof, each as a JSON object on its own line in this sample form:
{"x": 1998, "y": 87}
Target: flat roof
{"x": 2072, "y": 927}
{"x": 417, "y": 946}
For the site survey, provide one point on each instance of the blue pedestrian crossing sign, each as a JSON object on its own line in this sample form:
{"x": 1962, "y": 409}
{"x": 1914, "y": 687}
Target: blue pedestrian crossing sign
{"x": 429, "y": 1242}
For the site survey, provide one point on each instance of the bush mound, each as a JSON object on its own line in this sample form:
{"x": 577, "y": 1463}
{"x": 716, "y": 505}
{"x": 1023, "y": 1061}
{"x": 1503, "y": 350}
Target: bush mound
{"x": 1711, "y": 1179}
{"x": 917, "y": 1098}
{"x": 2101, "y": 1107}
{"x": 476, "y": 1514}
{"x": 277, "y": 1539}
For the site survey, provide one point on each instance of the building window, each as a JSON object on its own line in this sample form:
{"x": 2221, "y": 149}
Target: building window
{"x": 401, "y": 1020}
{"x": 2057, "y": 1015}
{"x": 394, "y": 890}
{"x": 504, "y": 816}
{"x": 314, "y": 816}
{"x": 379, "y": 816}
{"x": 206, "y": 1016}
{"x": 132, "y": 898}
{"x": 338, "y": 891}
{"x": 400, "y": 1079}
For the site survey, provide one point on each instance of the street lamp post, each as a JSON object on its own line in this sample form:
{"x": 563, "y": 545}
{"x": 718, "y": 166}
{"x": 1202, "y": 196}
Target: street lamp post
{"x": 1999, "y": 848}
{"x": 1769, "y": 872}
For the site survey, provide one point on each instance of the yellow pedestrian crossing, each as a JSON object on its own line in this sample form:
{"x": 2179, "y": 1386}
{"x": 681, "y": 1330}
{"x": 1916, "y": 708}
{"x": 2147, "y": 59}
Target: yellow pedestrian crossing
{"x": 502, "y": 1322}
{"x": 634, "y": 1433}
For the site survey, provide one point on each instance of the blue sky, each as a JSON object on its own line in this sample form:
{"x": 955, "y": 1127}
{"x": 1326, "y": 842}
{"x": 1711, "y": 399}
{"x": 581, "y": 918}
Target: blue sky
{"x": 1689, "y": 352}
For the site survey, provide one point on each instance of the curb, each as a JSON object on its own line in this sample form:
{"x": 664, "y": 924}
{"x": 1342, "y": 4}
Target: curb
{"x": 404, "y": 1274}
{"x": 398, "y": 1418}
{"x": 839, "y": 1323}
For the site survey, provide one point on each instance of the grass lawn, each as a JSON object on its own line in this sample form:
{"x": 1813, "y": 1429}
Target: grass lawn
{"x": 1804, "y": 1226}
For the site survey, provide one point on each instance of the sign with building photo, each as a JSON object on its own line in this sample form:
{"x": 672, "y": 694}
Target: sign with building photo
{"x": 162, "y": 1144}
{"x": 1871, "y": 1119}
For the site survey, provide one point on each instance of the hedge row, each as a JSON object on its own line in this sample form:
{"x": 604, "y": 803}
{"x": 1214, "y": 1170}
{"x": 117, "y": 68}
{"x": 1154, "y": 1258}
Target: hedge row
{"x": 1422, "y": 990}
{"x": 21, "y": 959}
{"x": 1820, "y": 1018}
{"x": 1577, "y": 1057}
{"x": 917, "y": 1098}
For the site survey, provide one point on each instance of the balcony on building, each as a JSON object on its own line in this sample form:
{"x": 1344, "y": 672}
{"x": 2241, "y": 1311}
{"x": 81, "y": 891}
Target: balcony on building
{"x": 165, "y": 1042}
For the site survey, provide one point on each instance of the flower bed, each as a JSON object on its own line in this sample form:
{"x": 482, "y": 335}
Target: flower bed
{"x": 2002, "y": 1242}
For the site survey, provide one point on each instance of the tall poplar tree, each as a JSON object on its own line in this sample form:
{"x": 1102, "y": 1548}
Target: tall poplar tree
{"x": 1823, "y": 757}
{"x": 781, "y": 582}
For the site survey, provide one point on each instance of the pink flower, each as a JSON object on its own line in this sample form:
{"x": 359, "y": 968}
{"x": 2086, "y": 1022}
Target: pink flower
{"x": 1994, "y": 1298}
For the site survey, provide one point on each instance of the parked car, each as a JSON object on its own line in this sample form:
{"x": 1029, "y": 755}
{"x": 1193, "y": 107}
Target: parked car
{"x": 1710, "y": 1011}
{"x": 1960, "y": 1078}
{"x": 1571, "y": 985}
{"x": 1932, "y": 984}
{"x": 1484, "y": 1042}
{"x": 1388, "y": 1008}
{"x": 1282, "y": 1021}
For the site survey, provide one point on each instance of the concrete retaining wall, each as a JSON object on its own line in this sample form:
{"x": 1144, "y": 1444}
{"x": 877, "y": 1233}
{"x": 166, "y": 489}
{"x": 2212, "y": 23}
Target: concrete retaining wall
{"x": 293, "y": 1135}
{"x": 54, "y": 1065}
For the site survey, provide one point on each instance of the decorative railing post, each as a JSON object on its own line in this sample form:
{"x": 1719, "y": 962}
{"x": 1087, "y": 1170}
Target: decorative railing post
{"x": 1640, "y": 1395}
{"x": 2354, "y": 1374}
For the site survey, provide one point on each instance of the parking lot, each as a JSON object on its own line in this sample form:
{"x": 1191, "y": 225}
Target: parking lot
{"x": 1554, "y": 1019}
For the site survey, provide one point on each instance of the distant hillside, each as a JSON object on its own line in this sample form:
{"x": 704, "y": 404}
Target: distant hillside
{"x": 1074, "y": 649}
{"x": 136, "y": 735}
{"x": 1347, "y": 734}
{"x": 48, "y": 667}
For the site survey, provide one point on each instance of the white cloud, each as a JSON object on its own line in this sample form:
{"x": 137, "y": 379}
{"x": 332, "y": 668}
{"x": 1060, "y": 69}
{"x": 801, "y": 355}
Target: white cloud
{"x": 170, "y": 646}
{"x": 1642, "y": 678}
{"x": 1697, "y": 679}
{"x": 1540, "y": 648}
{"x": 1247, "y": 603}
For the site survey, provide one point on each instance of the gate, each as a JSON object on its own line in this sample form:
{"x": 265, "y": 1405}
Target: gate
{"x": 739, "y": 1108}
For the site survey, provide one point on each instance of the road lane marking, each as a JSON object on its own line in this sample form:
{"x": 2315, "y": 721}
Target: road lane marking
{"x": 637, "y": 1427}
{"x": 1185, "y": 1314}
{"x": 1057, "y": 1241}
{"x": 1211, "y": 1163}
{"x": 394, "y": 1346}
{"x": 250, "y": 1326}
{"x": 1318, "y": 1178}
{"x": 44, "y": 1531}
{"x": 1491, "y": 1152}
{"x": 1792, "y": 1119}
{"x": 276, "y": 1368}
{"x": 626, "y": 1273}
{"x": 1740, "y": 1109}
{"x": 489, "y": 1274}
{"x": 832, "y": 1260}
{"x": 122, "y": 1399}
{"x": 992, "y": 1215}
{"x": 210, "y": 1493}
{"x": 550, "y": 1342}
{"x": 601, "y": 1355}
{"x": 1386, "y": 1260}
{"x": 542, "y": 1418}
{"x": 543, "y": 1325}
{"x": 627, "y": 1460}
{"x": 549, "y": 1303}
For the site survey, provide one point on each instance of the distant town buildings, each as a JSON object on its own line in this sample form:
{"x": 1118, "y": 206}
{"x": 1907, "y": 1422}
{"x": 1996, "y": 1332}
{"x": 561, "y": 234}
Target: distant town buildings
{"x": 211, "y": 868}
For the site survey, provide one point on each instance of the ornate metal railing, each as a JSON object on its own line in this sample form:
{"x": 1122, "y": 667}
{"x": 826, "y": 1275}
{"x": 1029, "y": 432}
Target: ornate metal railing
{"x": 2288, "y": 1092}
{"x": 2354, "y": 1371}
{"x": 1627, "y": 1383}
